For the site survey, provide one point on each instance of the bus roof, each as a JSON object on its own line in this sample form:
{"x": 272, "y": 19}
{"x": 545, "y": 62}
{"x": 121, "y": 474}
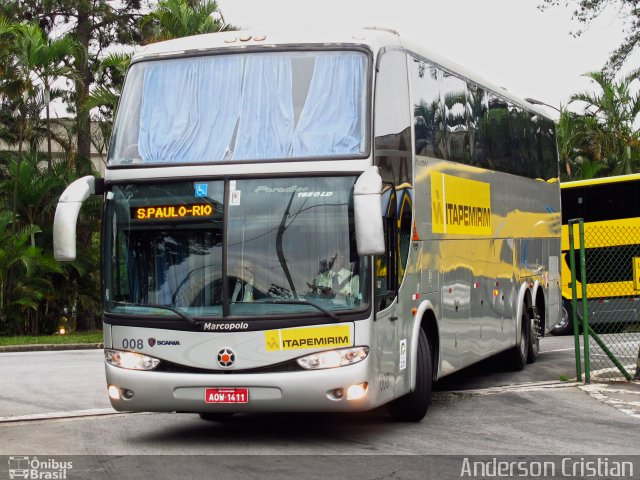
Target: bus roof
{"x": 373, "y": 38}
{"x": 600, "y": 181}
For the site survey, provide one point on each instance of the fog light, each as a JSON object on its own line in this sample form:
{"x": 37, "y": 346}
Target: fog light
{"x": 127, "y": 394}
{"x": 114, "y": 392}
{"x": 356, "y": 392}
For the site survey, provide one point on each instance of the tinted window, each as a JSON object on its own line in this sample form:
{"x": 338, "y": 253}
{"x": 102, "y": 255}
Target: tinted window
{"x": 427, "y": 110}
{"x": 572, "y": 203}
{"x": 454, "y": 93}
{"x": 392, "y": 122}
{"x": 597, "y": 203}
{"x": 532, "y": 145}
{"x": 548, "y": 149}
{"x": 498, "y": 121}
{"x": 477, "y": 121}
{"x": 611, "y": 201}
{"x": 393, "y": 157}
{"x": 519, "y": 162}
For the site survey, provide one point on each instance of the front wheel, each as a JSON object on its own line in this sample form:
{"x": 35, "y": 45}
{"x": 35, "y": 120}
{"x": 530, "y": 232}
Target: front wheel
{"x": 413, "y": 406}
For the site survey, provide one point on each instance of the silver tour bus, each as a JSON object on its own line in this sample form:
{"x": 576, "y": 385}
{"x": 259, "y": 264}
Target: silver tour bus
{"x": 316, "y": 223}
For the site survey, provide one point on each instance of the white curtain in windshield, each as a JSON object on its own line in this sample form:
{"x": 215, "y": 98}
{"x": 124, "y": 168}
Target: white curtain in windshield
{"x": 184, "y": 103}
{"x": 266, "y": 116}
{"x": 242, "y": 107}
{"x": 331, "y": 121}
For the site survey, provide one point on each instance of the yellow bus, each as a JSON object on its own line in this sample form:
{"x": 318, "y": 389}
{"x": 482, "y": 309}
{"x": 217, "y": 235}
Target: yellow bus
{"x": 610, "y": 208}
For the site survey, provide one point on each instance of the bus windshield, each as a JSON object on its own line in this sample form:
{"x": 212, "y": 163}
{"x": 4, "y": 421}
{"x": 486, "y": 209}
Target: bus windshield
{"x": 235, "y": 107}
{"x": 287, "y": 247}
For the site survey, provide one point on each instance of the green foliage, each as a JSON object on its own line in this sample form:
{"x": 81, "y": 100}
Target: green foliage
{"x": 24, "y": 269}
{"x": 180, "y": 18}
{"x": 105, "y": 97}
{"x": 36, "y": 291}
{"x": 604, "y": 139}
{"x": 86, "y": 337}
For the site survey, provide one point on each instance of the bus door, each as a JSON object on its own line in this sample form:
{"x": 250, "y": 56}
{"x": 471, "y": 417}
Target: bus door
{"x": 386, "y": 295}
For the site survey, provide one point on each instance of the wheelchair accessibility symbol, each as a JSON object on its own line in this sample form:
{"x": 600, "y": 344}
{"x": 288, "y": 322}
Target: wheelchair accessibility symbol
{"x": 201, "y": 189}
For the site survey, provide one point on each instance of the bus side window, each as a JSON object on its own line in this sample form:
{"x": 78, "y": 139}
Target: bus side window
{"x": 393, "y": 149}
{"x": 519, "y": 150}
{"x": 532, "y": 145}
{"x": 454, "y": 93}
{"x": 498, "y": 119}
{"x": 548, "y": 150}
{"x": 427, "y": 109}
{"x": 476, "y": 113}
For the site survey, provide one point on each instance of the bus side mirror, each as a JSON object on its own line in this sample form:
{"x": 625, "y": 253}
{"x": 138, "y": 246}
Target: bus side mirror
{"x": 66, "y": 218}
{"x": 368, "y": 213}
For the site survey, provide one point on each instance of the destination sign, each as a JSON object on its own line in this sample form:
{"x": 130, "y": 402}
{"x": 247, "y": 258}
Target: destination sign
{"x": 172, "y": 211}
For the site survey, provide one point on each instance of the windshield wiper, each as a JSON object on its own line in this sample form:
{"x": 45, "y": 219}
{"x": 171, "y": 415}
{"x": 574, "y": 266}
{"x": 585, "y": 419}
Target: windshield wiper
{"x": 301, "y": 302}
{"x": 178, "y": 312}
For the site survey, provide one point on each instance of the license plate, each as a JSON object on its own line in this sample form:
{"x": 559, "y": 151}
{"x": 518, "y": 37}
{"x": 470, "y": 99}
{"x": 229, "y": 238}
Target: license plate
{"x": 226, "y": 395}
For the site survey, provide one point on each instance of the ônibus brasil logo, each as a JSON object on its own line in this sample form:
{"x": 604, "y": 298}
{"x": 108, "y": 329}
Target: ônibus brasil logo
{"x": 27, "y": 467}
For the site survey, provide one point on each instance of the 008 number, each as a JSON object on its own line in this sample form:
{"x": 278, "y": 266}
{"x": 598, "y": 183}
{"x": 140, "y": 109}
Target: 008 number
{"x": 132, "y": 343}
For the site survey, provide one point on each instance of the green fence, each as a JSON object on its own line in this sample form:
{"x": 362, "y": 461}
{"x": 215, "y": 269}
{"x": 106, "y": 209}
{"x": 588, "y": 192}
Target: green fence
{"x": 606, "y": 277}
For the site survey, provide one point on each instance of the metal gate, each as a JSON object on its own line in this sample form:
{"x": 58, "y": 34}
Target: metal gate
{"x": 605, "y": 281}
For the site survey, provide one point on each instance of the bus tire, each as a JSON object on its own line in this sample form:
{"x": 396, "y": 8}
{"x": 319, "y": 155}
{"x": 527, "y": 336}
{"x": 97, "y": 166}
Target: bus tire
{"x": 534, "y": 338}
{"x": 216, "y": 416}
{"x": 517, "y": 356}
{"x": 413, "y": 406}
{"x": 565, "y": 326}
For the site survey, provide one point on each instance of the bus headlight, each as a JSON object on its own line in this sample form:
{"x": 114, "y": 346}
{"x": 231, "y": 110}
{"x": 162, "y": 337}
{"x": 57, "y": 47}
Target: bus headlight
{"x": 130, "y": 360}
{"x": 333, "y": 358}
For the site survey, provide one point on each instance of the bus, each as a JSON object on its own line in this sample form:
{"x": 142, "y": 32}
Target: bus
{"x": 610, "y": 209}
{"x": 316, "y": 222}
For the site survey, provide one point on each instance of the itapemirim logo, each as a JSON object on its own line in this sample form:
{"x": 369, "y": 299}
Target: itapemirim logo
{"x": 34, "y": 468}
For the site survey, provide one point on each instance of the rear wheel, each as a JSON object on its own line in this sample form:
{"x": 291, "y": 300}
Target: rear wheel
{"x": 413, "y": 406}
{"x": 517, "y": 356}
{"x": 534, "y": 337}
{"x": 565, "y": 325}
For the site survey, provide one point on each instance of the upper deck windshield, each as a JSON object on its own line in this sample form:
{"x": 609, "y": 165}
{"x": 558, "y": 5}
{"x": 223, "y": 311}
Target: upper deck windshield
{"x": 279, "y": 247}
{"x": 235, "y": 107}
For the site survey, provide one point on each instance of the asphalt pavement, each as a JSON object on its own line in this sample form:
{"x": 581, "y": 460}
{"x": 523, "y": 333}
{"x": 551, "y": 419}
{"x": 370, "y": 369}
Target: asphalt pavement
{"x": 55, "y": 403}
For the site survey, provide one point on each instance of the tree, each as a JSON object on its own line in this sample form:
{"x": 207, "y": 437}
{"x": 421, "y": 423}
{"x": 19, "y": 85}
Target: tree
{"x": 106, "y": 96}
{"x": 41, "y": 62}
{"x": 95, "y": 24}
{"x": 180, "y": 18}
{"x": 609, "y": 120}
{"x": 586, "y": 11}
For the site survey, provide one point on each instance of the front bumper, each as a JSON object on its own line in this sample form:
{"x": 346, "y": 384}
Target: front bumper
{"x": 304, "y": 391}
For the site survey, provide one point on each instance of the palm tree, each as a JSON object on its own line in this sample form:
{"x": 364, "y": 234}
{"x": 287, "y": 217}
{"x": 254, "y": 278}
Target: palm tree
{"x": 36, "y": 199}
{"x": 611, "y": 114}
{"x": 107, "y": 96}
{"x": 41, "y": 62}
{"x": 181, "y": 18}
